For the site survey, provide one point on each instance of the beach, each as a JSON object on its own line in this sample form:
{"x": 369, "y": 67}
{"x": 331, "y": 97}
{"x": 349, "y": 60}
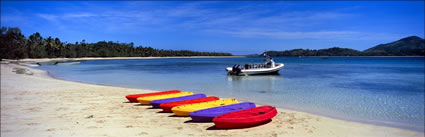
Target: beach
{"x": 35, "y": 104}
{"x": 109, "y": 58}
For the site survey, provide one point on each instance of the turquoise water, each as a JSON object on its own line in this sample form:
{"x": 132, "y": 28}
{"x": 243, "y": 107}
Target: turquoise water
{"x": 379, "y": 90}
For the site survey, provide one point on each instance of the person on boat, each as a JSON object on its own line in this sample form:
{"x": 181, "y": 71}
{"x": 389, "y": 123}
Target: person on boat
{"x": 270, "y": 62}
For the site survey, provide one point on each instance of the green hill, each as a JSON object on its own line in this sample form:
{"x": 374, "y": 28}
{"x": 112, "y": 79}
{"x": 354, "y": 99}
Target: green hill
{"x": 409, "y": 46}
{"x": 335, "y": 51}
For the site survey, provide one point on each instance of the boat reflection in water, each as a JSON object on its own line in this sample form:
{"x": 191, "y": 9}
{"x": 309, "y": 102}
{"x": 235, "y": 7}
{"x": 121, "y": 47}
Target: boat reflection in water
{"x": 258, "y": 85}
{"x": 269, "y": 77}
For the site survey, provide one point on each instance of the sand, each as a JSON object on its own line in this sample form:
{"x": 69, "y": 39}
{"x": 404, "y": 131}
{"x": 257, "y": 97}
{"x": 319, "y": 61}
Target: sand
{"x": 106, "y": 58}
{"x": 34, "y": 104}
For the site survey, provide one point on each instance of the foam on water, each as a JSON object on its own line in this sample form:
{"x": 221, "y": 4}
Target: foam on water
{"x": 387, "y": 91}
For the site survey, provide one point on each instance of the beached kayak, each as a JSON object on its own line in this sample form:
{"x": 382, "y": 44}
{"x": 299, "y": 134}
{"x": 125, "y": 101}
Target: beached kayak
{"x": 206, "y": 115}
{"x": 245, "y": 118}
{"x": 184, "y": 110}
{"x": 145, "y": 100}
{"x": 157, "y": 103}
{"x": 133, "y": 97}
{"x": 166, "y": 107}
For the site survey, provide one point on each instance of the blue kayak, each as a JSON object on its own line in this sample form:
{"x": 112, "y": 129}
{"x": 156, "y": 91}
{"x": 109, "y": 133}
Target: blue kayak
{"x": 206, "y": 115}
{"x": 157, "y": 103}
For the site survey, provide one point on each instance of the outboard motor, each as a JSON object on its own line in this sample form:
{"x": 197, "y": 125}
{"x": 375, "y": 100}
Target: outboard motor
{"x": 236, "y": 70}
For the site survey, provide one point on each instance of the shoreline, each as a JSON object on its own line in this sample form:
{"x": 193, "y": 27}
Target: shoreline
{"x": 357, "y": 56}
{"x": 41, "y": 60}
{"x": 291, "y": 123}
{"x": 356, "y": 120}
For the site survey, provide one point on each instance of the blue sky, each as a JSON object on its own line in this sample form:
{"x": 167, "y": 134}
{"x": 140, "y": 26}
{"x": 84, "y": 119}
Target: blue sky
{"x": 238, "y": 27}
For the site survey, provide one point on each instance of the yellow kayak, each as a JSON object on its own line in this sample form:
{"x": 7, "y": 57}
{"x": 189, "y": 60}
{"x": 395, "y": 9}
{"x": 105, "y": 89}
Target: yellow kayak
{"x": 184, "y": 110}
{"x": 146, "y": 100}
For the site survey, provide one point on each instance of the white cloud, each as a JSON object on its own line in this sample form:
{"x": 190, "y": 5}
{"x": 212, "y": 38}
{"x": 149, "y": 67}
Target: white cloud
{"x": 243, "y": 21}
{"x": 78, "y": 15}
{"x": 49, "y": 17}
{"x": 267, "y": 33}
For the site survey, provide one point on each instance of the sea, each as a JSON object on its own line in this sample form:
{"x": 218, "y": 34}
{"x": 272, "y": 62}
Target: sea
{"x": 374, "y": 90}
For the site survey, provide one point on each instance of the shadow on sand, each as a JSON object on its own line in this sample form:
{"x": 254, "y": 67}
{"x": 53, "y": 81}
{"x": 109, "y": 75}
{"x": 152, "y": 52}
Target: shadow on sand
{"x": 129, "y": 102}
{"x": 153, "y": 108}
{"x": 142, "y": 105}
{"x": 191, "y": 121}
{"x": 176, "y": 116}
{"x": 215, "y": 128}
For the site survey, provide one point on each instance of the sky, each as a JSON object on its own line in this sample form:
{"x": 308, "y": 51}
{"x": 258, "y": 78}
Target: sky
{"x": 237, "y": 27}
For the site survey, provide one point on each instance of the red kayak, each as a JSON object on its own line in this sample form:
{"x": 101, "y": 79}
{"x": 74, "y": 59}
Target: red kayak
{"x": 133, "y": 98}
{"x": 166, "y": 107}
{"x": 245, "y": 118}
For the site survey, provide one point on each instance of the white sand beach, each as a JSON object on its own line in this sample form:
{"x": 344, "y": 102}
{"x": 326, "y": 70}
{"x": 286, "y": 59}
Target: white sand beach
{"x": 106, "y": 58}
{"x": 35, "y": 104}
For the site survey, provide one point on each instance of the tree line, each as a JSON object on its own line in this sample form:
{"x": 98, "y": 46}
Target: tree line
{"x": 14, "y": 45}
{"x": 409, "y": 46}
{"x": 335, "y": 51}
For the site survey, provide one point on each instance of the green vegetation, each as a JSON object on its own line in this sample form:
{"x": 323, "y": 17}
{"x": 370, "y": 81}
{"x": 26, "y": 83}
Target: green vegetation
{"x": 14, "y": 45}
{"x": 335, "y": 51}
{"x": 410, "y": 46}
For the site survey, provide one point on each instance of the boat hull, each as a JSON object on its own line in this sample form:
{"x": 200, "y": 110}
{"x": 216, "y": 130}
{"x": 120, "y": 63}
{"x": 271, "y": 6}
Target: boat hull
{"x": 166, "y": 107}
{"x": 207, "y": 115}
{"x": 245, "y": 118}
{"x": 157, "y": 103}
{"x": 133, "y": 97}
{"x": 146, "y": 100}
{"x": 259, "y": 71}
{"x": 184, "y": 110}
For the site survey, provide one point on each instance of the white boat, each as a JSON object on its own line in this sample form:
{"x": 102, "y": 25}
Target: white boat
{"x": 255, "y": 69}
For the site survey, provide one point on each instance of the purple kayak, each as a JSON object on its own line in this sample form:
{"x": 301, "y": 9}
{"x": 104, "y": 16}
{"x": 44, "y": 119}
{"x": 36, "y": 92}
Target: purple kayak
{"x": 157, "y": 103}
{"x": 206, "y": 115}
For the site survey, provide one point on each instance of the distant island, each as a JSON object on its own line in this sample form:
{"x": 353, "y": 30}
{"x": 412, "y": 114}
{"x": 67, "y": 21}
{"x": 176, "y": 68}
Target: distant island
{"x": 14, "y": 45}
{"x": 409, "y": 46}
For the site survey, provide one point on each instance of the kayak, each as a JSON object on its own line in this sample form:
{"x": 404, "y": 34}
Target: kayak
{"x": 166, "y": 107}
{"x": 145, "y": 100}
{"x": 133, "y": 98}
{"x": 157, "y": 103}
{"x": 184, "y": 110}
{"x": 206, "y": 115}
{"x": 245, "y": 118}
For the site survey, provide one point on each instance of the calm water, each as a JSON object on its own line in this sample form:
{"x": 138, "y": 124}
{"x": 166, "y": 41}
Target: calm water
{"x": 387, "y": 90}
